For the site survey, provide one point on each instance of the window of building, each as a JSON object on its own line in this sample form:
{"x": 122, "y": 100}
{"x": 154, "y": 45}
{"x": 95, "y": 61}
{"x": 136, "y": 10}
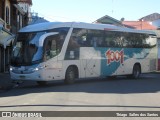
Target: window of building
{"x": 7, "y": 15}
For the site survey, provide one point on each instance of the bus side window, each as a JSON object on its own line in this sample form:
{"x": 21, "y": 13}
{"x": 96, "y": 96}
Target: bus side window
{"x": 83, "y": 40}
{"x": 73, "y": 44}
{"x": 96, "y": 38}
{"x": 81, "y": 37}
{"x": 51, "y": 47}
{"x": 94, "y": 42}
{"x": 110, "y": 38}
{"x": 72, "y": 51}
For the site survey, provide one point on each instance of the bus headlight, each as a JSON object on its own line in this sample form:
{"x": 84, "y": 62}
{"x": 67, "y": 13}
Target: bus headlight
{"x": 38, "y": 68}
{"x": 11, "y": 68}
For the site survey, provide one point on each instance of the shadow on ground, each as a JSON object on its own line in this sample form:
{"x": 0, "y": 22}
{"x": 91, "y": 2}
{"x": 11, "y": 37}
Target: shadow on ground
{"x": 149, "y": 83}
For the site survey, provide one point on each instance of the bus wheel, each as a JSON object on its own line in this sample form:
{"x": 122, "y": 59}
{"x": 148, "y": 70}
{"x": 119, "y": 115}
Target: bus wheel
{"x": 42, "y": 83}
{"x": 136, "y": 71}
{"x": 70, "y": 75}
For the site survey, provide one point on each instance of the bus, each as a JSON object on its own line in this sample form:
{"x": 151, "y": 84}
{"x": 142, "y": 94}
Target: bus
{"x": 158, "y": 41}
{"x": 73, "y": 50}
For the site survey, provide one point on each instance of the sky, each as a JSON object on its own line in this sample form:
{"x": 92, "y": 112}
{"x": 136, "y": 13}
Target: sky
{"x": 91, "y": 10}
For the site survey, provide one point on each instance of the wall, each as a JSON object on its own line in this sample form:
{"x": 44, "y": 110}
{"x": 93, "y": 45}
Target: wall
{"x": 26, "y": 8}
{"x": 2, "y": 12}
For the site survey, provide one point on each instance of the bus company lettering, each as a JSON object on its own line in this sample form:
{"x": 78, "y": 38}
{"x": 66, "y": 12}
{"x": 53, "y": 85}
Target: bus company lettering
{"x": 113, "y": 56}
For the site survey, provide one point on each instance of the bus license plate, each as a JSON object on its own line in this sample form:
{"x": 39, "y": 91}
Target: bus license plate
{"x": 22, "y": 77}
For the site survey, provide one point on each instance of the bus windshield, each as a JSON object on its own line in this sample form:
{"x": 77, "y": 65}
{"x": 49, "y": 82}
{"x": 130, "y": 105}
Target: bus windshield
{"x": 31, "y": 48}
{"x": 26, "y": 49}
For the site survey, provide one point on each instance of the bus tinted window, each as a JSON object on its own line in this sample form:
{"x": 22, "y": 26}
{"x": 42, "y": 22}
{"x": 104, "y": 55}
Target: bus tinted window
{"x": 129, "y": 40}
{"x": 88, "y": 38}
{"x": 95, "y": 37}
{"x": 100, "y": 38}
{"x": 77, "y": 39}
{"x": 138, "y": 40}
{"x": 52, "y": 47}
{"x": 81, "y": 37}
{"x": 114, "y": 39}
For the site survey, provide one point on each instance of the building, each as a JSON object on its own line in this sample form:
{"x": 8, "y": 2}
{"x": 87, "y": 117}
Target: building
{"x": 108, "y": 20}
{"x": 150, "y": 17}
{"x": 35, "y": 19}
{"x": 149, "y": 22}
{"x": 140, "y": 25}
{"x": 20, "y": 14}
{"x": 14, "y": 14}
{"x": 26, "y": 6}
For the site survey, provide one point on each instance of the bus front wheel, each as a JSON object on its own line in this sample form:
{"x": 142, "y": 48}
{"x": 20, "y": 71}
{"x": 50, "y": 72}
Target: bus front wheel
{"x": 70, "y": 75}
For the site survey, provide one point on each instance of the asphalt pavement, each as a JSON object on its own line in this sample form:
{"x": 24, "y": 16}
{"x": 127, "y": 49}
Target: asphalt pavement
{"x": 5, "y": 82}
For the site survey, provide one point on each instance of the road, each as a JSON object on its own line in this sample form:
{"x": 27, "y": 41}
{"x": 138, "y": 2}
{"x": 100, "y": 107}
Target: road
{"x": 120, "y": 94}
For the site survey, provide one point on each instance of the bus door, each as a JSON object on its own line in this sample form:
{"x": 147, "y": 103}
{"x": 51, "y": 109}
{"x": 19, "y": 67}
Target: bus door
{"x": 52, "y": 48}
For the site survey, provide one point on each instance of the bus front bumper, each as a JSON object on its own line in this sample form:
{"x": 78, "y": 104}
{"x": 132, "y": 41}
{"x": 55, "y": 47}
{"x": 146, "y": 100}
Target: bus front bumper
{"x": 33, "y": 76}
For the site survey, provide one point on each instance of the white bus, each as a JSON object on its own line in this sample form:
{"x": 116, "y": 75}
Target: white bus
{"x": 67, "y": 51}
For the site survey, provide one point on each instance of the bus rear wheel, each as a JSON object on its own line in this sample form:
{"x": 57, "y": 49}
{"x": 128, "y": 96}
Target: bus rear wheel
{"x": 70, "y": 75}
{"x": 136, "y": 71}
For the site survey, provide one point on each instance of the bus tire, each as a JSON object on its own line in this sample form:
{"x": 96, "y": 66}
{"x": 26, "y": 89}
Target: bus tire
{"x": 42, "y": 83}
{"x": 136, "y": 71}
{"x": 70, "y": 75}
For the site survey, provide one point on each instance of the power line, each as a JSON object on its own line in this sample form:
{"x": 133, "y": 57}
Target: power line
{"x": 112, "y": 6}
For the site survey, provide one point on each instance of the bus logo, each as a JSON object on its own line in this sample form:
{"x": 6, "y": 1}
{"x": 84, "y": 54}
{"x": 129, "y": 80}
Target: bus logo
{"x": 115, "y": 56}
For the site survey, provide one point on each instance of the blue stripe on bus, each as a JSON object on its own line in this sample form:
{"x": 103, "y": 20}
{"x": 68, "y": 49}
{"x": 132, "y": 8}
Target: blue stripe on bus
{"x": 112, "y": 58}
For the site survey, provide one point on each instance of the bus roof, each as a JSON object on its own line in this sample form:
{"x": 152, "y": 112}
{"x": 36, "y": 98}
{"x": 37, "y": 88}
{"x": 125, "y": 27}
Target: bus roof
{"x": 107, "y": 27}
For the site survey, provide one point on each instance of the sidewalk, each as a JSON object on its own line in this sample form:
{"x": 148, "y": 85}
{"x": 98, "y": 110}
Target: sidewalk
{"x": 5, "y": 82}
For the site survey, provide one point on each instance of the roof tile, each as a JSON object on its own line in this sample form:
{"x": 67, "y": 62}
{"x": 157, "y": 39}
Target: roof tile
{"x": 140, "y": 25}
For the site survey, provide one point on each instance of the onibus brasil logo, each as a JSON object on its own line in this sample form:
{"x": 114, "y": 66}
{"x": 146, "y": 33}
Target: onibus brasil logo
{"x": 115, "y": 56}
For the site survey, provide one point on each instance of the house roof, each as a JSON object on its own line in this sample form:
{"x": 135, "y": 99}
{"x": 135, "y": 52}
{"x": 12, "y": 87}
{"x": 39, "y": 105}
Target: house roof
{"x": 108, "y": 20}
{"x": 151, "y": 17}
{"x": 140, "y": 25}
